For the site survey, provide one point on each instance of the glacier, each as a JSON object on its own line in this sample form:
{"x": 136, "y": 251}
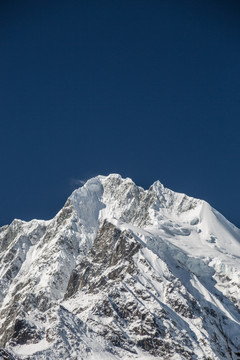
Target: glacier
{"x": 121, "y": 273}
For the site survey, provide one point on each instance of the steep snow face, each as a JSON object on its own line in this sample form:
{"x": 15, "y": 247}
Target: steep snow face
{"x": 113, "y": 197}
{"x": 121, "y": 272}
{"x": 190, "y": 223}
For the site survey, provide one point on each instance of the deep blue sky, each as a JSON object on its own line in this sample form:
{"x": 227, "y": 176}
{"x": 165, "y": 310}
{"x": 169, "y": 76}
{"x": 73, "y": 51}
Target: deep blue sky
{"x": 148, "y": 89}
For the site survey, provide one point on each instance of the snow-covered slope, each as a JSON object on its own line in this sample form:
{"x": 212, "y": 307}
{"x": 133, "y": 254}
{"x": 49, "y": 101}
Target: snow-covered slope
{"x": 121, "y": 273}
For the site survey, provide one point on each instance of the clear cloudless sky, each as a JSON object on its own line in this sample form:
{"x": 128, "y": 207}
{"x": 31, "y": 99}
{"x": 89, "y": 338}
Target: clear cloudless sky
{"x": 147, "y": 89}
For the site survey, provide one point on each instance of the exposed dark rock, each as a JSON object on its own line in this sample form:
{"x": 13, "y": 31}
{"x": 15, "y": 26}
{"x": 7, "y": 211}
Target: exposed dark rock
{"x": 24, "y": 333}
{"x": 5, "y": 355}
{"x": 110, "y": 247}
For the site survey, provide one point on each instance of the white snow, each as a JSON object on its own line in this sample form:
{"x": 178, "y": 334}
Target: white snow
{"x": 185, "y": 244}
{"x": 31, "y": 348}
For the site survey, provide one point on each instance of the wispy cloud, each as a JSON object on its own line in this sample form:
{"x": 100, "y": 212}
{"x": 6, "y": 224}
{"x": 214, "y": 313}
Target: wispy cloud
{"x": 77, "y": 182}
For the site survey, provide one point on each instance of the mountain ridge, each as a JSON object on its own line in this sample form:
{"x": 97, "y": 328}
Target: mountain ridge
{"x": 122, "y": 272}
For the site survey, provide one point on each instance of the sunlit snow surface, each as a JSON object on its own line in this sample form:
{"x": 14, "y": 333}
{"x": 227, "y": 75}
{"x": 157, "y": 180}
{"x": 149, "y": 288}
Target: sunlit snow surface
{"x": 181, "y": 283}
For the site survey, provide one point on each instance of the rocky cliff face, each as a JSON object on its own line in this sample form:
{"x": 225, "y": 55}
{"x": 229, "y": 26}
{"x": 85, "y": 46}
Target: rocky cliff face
{"x": 121, "y": 273}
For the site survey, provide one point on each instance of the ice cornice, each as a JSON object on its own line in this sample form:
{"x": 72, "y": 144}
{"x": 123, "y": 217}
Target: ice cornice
{"x": 102, "y": 184}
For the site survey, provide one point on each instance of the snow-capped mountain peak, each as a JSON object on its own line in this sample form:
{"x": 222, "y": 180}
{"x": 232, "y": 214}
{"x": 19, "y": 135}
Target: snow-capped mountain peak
{"x": 121, "y": 272}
